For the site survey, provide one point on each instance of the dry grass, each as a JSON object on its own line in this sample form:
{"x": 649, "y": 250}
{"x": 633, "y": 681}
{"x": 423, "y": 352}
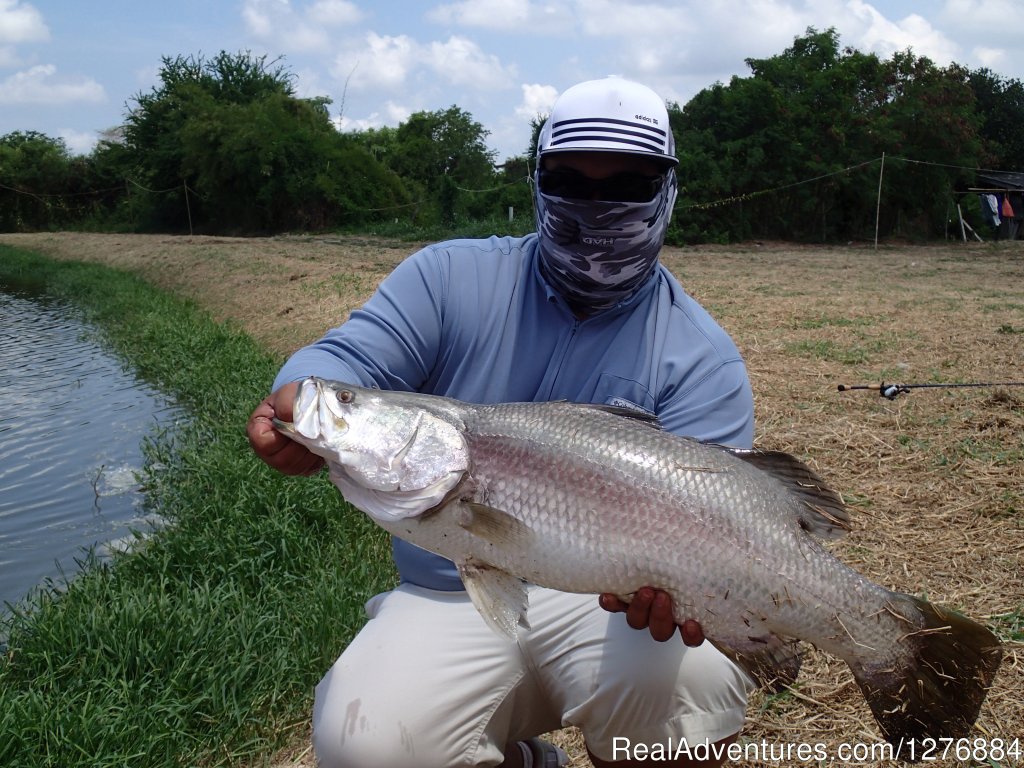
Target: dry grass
{"x": 935, "y": 477}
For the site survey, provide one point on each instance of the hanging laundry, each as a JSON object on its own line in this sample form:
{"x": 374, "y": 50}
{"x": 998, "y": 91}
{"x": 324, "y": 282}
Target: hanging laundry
{"x": 990, "y": 210}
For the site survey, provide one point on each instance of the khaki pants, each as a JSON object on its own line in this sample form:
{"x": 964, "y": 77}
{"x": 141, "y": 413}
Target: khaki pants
{"x": 427, "y": 684}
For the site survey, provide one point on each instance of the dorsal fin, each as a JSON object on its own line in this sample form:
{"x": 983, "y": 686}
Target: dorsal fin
{"x": 822, "y": 510}
{"x": 629, "y": 413}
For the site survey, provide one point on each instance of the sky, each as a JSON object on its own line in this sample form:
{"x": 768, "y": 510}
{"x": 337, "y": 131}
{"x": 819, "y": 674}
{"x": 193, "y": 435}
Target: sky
{"x": 71, "y": 68}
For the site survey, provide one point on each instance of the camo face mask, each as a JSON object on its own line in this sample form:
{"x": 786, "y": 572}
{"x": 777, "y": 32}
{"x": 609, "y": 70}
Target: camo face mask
{"x": 597, "y": 253}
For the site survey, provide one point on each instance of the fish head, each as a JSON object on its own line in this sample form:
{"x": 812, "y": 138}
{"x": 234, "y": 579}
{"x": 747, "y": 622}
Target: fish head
{"x": 389, "y": 455}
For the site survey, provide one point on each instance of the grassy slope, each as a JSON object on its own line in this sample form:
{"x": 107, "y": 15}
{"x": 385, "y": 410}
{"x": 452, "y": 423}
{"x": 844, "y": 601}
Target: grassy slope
{"x": 201, "y": 647}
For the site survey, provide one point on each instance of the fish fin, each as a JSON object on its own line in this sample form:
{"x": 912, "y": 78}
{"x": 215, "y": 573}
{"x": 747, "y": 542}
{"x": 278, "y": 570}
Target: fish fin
{"x": 938, "y": 688}
{"x": 494, "y": 525}
{"x": 627, "y": 413}
{"x": 822, "y": 511}
{"x": 771, "y": 662}
{"x": 499, "y": 596}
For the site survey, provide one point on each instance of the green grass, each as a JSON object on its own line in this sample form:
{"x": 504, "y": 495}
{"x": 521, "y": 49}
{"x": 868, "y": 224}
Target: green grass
{"x": 1010, "y": 626}
{"x": 522, "y": 224}
{"x": 825, "y": 321}
{"x": 202, "y": 646}
{"x": 852, "y": 354}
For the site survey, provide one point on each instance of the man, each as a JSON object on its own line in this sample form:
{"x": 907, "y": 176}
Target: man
{"x": 580, "y": 311}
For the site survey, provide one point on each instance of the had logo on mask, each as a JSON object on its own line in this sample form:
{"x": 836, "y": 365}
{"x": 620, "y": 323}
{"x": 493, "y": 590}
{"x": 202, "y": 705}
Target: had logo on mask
{"x": 598, "y": 253}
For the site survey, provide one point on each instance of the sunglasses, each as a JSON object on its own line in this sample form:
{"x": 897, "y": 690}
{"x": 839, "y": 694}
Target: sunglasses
{"x": 620, "y": 188}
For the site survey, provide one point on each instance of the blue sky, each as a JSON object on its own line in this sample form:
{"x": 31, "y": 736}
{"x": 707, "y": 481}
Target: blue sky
{"x": 70, "y": 68}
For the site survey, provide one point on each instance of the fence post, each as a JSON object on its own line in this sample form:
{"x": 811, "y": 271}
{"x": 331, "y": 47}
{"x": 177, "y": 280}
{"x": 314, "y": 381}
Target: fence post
{"x": 188, "y": 208}
{"x": 878, "y": 204}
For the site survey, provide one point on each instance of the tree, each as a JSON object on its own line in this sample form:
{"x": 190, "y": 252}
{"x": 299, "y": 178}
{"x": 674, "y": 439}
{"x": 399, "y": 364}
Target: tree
{"x": 34, "y": 172}
{"x": 793, "y": 147}
{"x": 226, "y": 143}
{"x": 1000, "y": 104}
{"x": 441, "y": 154}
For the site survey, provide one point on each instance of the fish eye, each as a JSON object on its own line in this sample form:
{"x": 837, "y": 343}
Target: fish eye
{"x": 346, "y": 396}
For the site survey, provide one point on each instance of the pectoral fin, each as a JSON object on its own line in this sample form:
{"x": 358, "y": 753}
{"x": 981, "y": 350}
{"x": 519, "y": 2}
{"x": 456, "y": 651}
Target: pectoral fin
{"x": 500, "y": 597}
{"x": 497, "y": 527}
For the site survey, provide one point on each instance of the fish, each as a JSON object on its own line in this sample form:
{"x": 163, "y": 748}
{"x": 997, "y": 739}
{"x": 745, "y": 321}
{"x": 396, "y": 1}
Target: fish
{"x": 595, "y": 499}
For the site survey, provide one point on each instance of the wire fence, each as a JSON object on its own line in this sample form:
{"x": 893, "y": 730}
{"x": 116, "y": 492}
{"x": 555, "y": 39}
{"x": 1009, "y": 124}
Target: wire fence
{"x": 186, "y": 191}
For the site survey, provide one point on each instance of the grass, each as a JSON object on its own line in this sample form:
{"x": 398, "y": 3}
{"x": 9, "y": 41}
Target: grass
{"x": 953, "y": 530}
{"x": 522, "y": 224}
{"x": 202, "y": 646}
{"x": 831, "y": 351}
{"x": 1011, "y": 625}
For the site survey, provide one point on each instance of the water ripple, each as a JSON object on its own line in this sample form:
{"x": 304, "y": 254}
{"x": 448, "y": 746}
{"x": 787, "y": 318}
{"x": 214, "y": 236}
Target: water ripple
{"x": 72, "y": 419}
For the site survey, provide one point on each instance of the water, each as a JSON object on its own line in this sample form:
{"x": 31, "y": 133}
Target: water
{"x": 72, "y": 422}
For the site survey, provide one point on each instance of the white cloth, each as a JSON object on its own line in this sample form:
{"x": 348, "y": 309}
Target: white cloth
{"x": 428, "y": 683}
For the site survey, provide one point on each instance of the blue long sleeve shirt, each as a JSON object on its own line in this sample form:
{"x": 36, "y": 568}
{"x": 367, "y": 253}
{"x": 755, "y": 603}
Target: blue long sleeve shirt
{"x": 475, "y": 320}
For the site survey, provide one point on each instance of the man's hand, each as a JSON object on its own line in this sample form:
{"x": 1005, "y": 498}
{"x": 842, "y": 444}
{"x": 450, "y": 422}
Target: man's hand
{"x": 275, "y": 449}
{"x": 652, "y": 609}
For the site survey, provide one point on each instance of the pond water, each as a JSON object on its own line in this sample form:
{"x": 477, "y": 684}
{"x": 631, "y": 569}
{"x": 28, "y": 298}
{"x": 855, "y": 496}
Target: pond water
{"x": 72, "y": 423}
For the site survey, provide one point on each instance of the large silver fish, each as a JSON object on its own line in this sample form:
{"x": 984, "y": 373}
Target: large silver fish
{"x": 582, "y": 499}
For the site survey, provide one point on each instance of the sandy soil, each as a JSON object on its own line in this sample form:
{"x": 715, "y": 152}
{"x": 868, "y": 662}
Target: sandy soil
{"x": 935, "y": 477}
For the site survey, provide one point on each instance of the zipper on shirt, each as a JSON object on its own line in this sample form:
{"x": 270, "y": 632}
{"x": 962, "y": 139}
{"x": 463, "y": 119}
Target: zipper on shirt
{"x": 555, "y": 370}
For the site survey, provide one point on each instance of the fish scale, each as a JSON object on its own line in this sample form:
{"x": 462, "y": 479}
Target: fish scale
{"x": 587, "y": 499}
{"x": 636, "y": 539}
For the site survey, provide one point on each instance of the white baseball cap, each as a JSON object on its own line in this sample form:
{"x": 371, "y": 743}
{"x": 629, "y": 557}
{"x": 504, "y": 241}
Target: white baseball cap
{"x": 609, "y": 115}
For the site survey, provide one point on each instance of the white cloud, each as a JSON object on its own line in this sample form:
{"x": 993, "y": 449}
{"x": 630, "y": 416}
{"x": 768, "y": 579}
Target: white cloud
{"x": 21, "y": 23}
{"x": 995, "y": 19}
{"x": 462, "y": 62}
{"x": 257, "y": 18}
{"x": 643, "y": 23}
{"x": 334, "y": 13}
{"x": 39, "y": 85}
{"x": 79, "y": 142}
{"x": 491, "y": 14}
{"x": 390, "y": 62}
{"x": 393, "y": 114}
{"x": 537, "y": 100}
{"x": 378, "y": 61}
{"x": 872, "y": 32}
{"x": 679, "y": 48}
{"x": 992, "y": 58}
{"x": 298, "y": 28}
{"x": 989, "y": 29}
{"x": 507, "y": 15}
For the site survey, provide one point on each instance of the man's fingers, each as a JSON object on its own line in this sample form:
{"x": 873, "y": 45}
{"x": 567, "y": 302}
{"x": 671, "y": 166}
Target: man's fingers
{"x": 661, "y": 622}
{"x": 693, "y": 634}
{"x": 638, "y": 614}
{"x": 612, "y": 603}
{"x": 652, "y": 610}
{"x": 271, "y": 446}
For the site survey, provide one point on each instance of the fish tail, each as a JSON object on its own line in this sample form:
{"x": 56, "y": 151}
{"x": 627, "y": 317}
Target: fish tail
{"x": 937, "y": 688}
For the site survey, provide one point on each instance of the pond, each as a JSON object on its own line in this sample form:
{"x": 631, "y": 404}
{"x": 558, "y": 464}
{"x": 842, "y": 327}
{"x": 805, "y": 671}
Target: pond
{"x": 73, "y": 420}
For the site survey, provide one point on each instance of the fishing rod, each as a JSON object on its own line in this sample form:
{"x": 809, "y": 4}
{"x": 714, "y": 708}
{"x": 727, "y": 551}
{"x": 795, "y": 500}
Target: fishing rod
{"x": 892, "y": 391}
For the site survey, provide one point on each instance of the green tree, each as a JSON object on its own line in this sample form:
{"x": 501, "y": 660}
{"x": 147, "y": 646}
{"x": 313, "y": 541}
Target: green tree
{"x": 35, "y": 174}
{"x": 1000, "y": 106}
{"x": 793, "y": 147}
{"x": 226, "y": 143}
{"x": 443, "y": 154}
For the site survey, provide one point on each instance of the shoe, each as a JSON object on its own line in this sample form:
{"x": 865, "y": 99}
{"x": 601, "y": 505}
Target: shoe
{"x": 546, "y": 755}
